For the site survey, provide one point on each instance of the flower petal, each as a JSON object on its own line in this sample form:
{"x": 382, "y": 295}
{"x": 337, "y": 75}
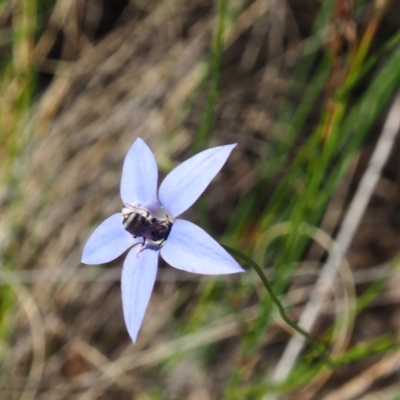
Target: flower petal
{"x": 191, "y": 249}
{"x": 137, "y": 281}
{"x": 107, "y": 242}
{"x": 183, "y": 186}
{"x": 139, "y": 176}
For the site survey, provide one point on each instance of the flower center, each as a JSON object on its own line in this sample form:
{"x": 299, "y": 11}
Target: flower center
{"x": 139, "y": 222}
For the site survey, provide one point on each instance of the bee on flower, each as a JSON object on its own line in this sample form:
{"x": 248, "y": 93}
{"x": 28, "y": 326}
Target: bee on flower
{"x": 149, "y": 222}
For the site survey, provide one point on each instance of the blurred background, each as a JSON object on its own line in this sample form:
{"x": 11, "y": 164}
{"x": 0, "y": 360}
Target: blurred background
{"x": 308, "y": 90}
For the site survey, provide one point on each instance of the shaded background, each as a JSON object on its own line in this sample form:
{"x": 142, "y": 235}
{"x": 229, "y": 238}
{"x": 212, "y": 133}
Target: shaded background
{"x": 304, "y": 88}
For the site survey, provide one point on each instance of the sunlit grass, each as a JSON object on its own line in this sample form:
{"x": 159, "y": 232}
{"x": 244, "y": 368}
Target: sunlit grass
{"x": 17, "y": 87}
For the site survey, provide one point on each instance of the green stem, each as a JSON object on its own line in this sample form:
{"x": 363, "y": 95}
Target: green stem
{"x": 321, "y": 349}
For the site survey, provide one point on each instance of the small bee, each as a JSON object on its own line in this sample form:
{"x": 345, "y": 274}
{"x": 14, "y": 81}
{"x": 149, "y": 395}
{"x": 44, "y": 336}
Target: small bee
{"x": 140, "y": 223}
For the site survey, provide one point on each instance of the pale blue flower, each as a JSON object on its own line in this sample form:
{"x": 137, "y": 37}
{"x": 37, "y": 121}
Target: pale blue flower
{"x": 180, "y": 243}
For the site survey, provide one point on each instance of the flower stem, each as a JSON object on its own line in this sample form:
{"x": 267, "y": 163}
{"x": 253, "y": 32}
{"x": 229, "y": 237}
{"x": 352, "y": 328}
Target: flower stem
{"x": 321, "y": 349}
